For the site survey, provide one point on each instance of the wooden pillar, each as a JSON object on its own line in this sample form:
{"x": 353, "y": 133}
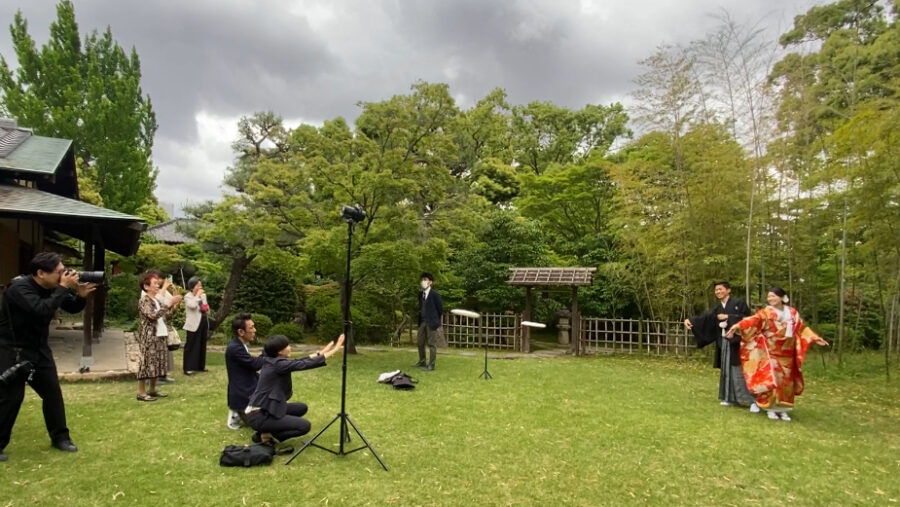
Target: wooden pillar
{"x": 576, "y": 324}
{"x": 99, "y": 296}
{"x": 88, "y": 317}
{"x": 526, "y": 315}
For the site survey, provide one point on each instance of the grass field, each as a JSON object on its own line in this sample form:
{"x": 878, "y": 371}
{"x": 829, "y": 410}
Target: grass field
{"x": 560, "y": 431}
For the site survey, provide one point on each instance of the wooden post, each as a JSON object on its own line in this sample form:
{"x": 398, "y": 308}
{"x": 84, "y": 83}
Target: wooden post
{"x": 99, "y": 296}
{"x": 526, "y": 315}
{"x": 88, "y": 315}
{"x": 576, "y": 324}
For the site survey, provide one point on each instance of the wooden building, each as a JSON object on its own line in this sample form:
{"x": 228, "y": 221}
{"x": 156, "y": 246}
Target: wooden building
{"x": 39, "y": 209}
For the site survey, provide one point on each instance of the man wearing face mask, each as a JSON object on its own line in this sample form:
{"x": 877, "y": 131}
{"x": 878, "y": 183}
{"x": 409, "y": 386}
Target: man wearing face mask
{"x": 430, "y": 311}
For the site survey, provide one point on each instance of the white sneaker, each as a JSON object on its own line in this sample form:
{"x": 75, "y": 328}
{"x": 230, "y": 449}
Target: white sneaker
{"x": 726, "y": 403}
{"x": 234, "y": 420}
{"x": 754, "y": 408}
{"x": 772, "y": 415}
{"x": 784, "y": 416}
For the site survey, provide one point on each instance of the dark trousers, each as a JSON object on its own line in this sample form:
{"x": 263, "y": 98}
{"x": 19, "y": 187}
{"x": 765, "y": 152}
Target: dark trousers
{"x": 427, "y": 336}
{"x": 195, "y": 347}
{"x": 289, "y": 426}
{"x": 45, "y": 382}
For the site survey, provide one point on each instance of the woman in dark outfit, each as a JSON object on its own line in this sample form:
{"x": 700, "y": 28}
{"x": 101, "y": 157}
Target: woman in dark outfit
{"x": 269, "y": 412}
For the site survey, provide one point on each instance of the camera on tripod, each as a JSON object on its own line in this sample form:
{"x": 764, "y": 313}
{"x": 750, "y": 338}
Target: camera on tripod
{"x": 98, "y": 277}
{"x": 14, "y": 372}
{"x": 353, "y": 214}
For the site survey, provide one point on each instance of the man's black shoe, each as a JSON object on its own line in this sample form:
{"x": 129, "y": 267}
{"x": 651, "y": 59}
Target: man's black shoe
{"x": 3, "y": 456}
{"x": 420, "y": 363}
{"x": 256, "y": 438}
{"x": 65, "y": 445}
{"x": 430, "y": 367}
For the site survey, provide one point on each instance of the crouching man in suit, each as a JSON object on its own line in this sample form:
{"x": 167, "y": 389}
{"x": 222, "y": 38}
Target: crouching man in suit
{"x": 243, "y": 369}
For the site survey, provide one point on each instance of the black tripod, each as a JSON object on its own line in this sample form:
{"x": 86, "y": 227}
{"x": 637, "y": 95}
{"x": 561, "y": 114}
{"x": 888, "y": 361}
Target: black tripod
{"x": 343, "y": 416}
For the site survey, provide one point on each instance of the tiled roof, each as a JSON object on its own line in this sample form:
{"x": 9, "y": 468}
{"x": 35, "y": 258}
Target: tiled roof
{"x": 22, "y": 151}
{"x": 559, "y": 277}
{"x": 170, "y": 232}
{"x": 19, "y": 200}
{"x": 11, "y": 138}
{"x": 113, "y": 230}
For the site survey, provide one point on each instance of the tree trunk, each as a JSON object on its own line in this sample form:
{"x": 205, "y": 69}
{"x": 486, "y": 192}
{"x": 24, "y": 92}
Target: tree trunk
{"x": 238, "y": 266}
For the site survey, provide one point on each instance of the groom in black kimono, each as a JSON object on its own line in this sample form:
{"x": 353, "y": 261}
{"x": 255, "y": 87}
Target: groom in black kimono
{"x": 710, "y": 327}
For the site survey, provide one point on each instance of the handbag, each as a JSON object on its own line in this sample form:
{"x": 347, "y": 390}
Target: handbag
{"x": 173, "y": 341}
{"x": 246, "y": 455}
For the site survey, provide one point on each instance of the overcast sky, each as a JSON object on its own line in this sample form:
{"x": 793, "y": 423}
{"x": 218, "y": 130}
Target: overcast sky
{"x": 206, "y": 63}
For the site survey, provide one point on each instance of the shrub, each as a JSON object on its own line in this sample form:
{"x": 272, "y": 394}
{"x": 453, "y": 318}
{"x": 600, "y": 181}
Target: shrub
{"x": 323, "y": 305}
{"x": 122, "y": 298}
{"x": 292, "y": 331}
{"x": 266, "y": 289}
{"x": 262, "y": 322}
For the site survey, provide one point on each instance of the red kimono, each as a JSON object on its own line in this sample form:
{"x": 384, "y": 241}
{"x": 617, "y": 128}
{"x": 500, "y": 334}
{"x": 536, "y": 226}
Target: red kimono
{"x": 771, "y": 359}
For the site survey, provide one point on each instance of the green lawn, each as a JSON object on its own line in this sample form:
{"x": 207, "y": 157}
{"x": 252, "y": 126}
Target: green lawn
{"x": 563, "y": 431}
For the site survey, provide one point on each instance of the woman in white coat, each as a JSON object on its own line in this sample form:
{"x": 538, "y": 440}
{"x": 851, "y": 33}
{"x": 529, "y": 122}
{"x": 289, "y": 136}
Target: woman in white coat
{"x": 196, "y": 324}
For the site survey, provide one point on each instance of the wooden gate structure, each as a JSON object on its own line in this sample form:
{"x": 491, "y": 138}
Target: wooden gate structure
{"x": 566, "y": 279}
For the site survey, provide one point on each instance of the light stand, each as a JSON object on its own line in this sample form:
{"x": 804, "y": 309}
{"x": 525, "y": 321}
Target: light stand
{"x": 343, "y": 416}
{"x": 486, "y": 375}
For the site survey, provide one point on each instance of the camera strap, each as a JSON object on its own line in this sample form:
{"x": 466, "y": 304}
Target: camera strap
{"x": 12, "y": 330}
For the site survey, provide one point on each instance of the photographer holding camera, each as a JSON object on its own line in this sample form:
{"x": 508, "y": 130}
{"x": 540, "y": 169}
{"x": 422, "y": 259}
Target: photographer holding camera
{"x": 29, "y": 303}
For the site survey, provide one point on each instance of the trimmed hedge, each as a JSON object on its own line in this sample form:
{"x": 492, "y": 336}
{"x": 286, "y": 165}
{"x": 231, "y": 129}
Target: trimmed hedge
{"x": 262, "y": 322}
{"x": 293, "y": 332}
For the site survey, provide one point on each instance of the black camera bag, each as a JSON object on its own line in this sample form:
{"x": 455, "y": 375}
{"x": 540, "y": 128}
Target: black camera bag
{"x": 247, "y": 455}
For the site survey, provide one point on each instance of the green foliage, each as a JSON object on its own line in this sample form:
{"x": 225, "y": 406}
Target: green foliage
{"x": 91, "y": 94}
{"x": 544, "y": 133}
{"x": 323, "y": 304}
{"x": 269, "y": 290}
{"x": 292, "y": 331}
{"x": 506, "y": 240}
{"x": 261, "y": 321}
{"x": 122, "y": 297}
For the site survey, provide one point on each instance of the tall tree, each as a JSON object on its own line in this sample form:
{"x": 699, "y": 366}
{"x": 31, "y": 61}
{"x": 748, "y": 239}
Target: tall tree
{"x": 544, "y": 133}
{"x": 88, "y": 93}
{"x": 850, "y": 75}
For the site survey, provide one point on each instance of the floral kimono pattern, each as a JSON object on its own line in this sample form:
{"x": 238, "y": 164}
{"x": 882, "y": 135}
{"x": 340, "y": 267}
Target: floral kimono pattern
{"x": 771, "y": 356}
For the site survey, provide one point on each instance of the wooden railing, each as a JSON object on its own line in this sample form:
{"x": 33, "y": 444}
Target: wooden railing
{"x": 498, "y": 330}
{"x": 656, "y": 337}
{"x": 598, "y": 335}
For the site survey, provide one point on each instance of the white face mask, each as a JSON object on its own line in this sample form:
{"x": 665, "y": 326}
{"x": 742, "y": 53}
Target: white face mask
{"x": 424, "y": 284}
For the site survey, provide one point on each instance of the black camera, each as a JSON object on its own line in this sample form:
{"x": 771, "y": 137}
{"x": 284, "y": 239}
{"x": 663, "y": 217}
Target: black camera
{"x": 98, "y": 277}
{"x": 353, "y": 214}
{"x": 12, "y": 373}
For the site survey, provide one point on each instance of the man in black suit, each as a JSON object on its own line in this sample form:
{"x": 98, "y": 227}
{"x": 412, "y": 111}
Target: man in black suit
{"x": 710, "y": 327}
{"x": 242, "y": 367}
{"x": 28, "y": 306}
{"x": 431, "y": 308}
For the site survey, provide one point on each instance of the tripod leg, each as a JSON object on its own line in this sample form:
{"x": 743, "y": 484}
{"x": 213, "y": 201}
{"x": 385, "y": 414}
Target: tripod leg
{"x": 313, "y": 439}
{"x": 361, "y": 437}
{"x": 485, "y": 374}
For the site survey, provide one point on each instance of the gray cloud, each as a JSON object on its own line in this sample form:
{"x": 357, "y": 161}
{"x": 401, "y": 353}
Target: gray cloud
{"x": 315, "y": 59}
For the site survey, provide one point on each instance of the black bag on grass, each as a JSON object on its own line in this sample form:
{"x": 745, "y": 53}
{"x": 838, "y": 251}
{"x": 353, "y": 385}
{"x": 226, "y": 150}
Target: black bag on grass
{"x": 246, "y": 455}
{"x": 403, "y": 381}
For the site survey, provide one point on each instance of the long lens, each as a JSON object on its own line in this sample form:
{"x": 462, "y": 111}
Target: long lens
{"x": 98, "y": 277}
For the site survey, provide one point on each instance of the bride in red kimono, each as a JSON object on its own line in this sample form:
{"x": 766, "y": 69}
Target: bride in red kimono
{"x": 774, "y": 343}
